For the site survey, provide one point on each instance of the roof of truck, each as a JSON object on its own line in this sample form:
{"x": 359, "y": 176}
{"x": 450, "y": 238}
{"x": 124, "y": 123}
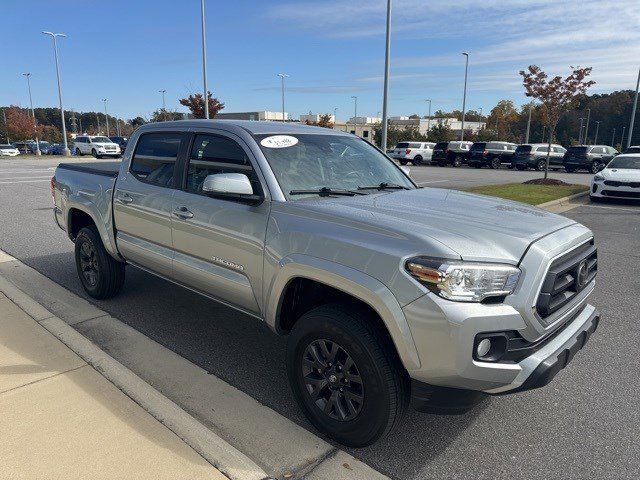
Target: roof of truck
{"x": 251, "y": 126}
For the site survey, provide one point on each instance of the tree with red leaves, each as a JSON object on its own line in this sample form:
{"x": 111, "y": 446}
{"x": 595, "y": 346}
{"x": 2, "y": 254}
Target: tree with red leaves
{"x": 21, "y": 125}
{"x": 556, "y": 96}
{"x": 195, "y": 104}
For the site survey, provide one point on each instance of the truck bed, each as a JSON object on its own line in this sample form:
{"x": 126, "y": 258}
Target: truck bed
{"x": 108, "y": 169}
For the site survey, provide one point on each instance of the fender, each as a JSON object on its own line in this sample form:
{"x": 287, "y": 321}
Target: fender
{"x": 353, "y": 282}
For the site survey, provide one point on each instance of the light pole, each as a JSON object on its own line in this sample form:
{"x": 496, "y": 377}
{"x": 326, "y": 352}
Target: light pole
{"x": 528, "y": 125}
{"x": 385, "y": 91}
{"x": 622, "y": 138}
{"x": 613, "y": 137}
{"x": 282, "y": 77}
{"x": 586, "y": 128}
{"x": 595, "y": 140}
{"x": 98, "y": 122}
{"x": 355, "y": 112}
{"x": 204, "y": 64}
{"x": 164, "y": 104}
{"x": 33, "y": 113}
{"x": 464, "y": 97}
{"x": 335, "y": 115}
{"x": 633, "y": 112}
{"x": 66, "y": 150}
{"x": 428, "y": 117}
{"x": 544, "y": 129}
{"x": 580, "y": 134}
{"x": 106, "y": 117}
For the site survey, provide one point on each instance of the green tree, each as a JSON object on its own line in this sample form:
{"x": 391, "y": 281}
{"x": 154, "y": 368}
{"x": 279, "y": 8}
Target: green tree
{"x": 441, "y": 133}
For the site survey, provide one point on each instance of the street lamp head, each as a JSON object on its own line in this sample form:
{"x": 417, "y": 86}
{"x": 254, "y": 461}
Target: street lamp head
{"x": 465, "y": 54}
{"x": 283, "y": 75}
{"x": 55, "y": 34}
{"x": 27, "y": 74}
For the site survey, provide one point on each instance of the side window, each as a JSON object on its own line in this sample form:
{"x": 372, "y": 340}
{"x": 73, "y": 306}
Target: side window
{"x": 155, "y": 158}
{"x": 212, "y": 154}
{"x": 543, "y": 149}
{"x": 365, "y": 134}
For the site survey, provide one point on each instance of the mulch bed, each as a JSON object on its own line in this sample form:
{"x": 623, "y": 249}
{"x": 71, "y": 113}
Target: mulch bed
{"x": 546, "y": 181}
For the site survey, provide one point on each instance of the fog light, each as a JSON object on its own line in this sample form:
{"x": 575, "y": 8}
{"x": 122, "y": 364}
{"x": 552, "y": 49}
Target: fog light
{"x": 483, "y": 347}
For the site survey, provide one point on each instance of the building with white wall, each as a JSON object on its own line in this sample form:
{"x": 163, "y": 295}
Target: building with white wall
{"x": 257, "y": 116}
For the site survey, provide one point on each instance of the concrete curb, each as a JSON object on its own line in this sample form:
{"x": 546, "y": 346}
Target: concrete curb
{"x": 231, "y": 462}
{"x": 563, "y": 200}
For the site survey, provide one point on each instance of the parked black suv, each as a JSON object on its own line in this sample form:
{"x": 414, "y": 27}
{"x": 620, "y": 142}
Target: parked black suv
{"x": 121, "y": 141}
{"x": 534, "y": 155}
{"x": 592, "y": 158}
{"x": 450, "y": 153}
{"x": 491, "y": 154}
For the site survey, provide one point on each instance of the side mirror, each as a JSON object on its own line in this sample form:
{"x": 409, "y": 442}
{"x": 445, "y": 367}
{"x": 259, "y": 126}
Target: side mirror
{"x": 230, "y": 185}
{"x": 406, "y": 170}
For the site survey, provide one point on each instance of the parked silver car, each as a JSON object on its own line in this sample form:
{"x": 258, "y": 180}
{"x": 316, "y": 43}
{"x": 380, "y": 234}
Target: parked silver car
{"x": 389, "y": 293}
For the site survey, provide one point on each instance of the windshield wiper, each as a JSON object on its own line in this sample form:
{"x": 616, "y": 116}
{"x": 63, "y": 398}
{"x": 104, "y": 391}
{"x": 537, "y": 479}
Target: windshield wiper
{"x": 384, "y": 186}
{"x": 326, "y": 191}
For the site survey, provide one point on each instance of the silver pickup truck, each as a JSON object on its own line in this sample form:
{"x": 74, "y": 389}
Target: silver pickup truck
{"x": 390, "y": 294}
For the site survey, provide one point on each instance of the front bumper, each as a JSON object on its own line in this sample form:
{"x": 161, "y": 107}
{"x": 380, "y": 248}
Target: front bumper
{"x": 600, "y": 190}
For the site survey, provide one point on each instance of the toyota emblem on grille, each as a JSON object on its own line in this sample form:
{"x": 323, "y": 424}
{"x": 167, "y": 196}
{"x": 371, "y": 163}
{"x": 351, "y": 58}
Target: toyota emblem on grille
{"x": 581, "y": 275}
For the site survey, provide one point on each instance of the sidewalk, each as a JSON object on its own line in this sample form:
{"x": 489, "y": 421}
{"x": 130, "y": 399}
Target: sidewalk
{"x": 62, "y": 419}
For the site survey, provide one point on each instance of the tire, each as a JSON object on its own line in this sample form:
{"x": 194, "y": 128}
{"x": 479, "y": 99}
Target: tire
{"x": 495, "y": 163}
{"x": 101, "y": 275}
{"x": 78, "y": 152}
{"x": 382, "y": 388}
{"x": 596, "y": 166}
{"x": 521, "y": 167}
{"x": 440, "y": 164}
{"x": 95, "y": 154}
{"x": 417, "y": 160}
{"x": 457, "y": 162}
{"x": 569, "y": 169}
{"x": 403, "y": 162}
{"x": 540, "y": 166}
{"x": 476, "y": 165}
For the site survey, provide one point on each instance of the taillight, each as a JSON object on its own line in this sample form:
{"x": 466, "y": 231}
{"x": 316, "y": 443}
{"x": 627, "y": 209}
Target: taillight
{"x": 407, "y": 151}
{"x": 53, "y": 188}
{"x": 446, "y": 151}
{"x": 485, "y": 153}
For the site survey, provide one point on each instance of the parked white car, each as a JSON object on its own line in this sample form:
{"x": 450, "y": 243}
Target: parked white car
{"x": 8, "y": 151}
{"x": 414, "y": 152}
{"x": 619, "y": 179}
{"x": 97, "y": 146}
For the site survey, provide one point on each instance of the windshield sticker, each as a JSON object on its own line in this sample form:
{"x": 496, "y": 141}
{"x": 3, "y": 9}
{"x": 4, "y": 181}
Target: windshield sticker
{"x": 279, "y": 141}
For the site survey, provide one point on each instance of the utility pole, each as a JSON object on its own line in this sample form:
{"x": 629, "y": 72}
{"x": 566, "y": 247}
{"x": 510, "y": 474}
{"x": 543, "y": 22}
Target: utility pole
{"x": 586, "y": 128}
{"x": 66, "y": 150}
{"x": 80, "y": 121}
{"x": 622, "y": 138}
{"x": 98, "y": 120}
{"x": 282, "y": 77}
{"x": 580, "y": 134}
{"x": 464, "y": 97}
{"x": 33, "y": 113}
{"x": 633, "y": 112}
{"x": 106, "y": 117}
{"x": 544, "y": 128}
{"x": 595, "y": 140}
{"x": 335, "y": 115}
{"x": 355, "y": 113}
{"x": 613, "y": 137}
{"x": 164, "y": 105}
{"x": 428, "y": 117}
{"x": 204, "y": 64}
{"x": 385, "y": 91}
{"x": 528, "y": 125}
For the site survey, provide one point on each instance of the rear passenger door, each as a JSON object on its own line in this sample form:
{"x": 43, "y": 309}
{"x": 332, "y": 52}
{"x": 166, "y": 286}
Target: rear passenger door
{"x": 143, "y": 201}
{"x": 219, "y": 241}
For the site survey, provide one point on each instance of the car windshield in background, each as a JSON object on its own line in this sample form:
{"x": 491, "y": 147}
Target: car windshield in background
{"x": 523, "y": 149}
{"x": 100, "y": 140}
{"x": 625, "y": 162}
{"x": 402, "y": 145}
{"x": 337, "y": 162}
{"x": 578, "y": 150}
{"x": 441, "y": 145}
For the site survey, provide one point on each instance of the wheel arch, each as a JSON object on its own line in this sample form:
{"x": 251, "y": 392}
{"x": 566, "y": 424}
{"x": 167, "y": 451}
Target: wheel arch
{"x": 337, "y": 282}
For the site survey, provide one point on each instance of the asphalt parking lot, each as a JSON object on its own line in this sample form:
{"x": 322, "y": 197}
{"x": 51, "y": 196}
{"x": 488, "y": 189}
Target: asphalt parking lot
{"x": 583, "y": 425}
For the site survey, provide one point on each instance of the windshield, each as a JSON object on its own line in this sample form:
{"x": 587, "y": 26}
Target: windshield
{"x": 523, "y": 149}
{"x": 631, "y": 162}
{"x": 100, "y": 140}
{"x": 338, "y": 162}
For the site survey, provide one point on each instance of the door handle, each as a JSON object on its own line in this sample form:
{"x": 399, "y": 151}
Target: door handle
{"x": 125, "y": 198}
{"x": 183, "y": 213}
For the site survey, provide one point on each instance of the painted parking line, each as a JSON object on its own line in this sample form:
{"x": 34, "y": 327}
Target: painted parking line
{"x": 25, "y": 181}
{"x": 35, "y": 177}
{"x": 611, "y": 207}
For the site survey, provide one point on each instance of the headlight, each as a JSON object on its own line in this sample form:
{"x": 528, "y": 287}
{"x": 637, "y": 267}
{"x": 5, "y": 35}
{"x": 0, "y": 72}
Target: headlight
{"x": 598, "y": 177}
{"x": 462, "y": 281}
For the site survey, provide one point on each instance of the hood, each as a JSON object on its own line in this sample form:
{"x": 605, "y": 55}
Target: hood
{"x": 476, "y": 227}
{"x": 621, "y": 174}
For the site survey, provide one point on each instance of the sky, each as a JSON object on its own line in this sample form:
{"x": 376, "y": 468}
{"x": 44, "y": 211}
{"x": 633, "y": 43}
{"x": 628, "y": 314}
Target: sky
{"x": 126, "y": 51}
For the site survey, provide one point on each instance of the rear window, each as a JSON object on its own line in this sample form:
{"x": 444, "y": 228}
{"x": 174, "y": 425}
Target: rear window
{"x": 523, "y": 149}
{"x": 478, "y": 146}
{"x": 155, "y": 157}
{"x": 403, "y": 145}
{"x": 441, "y": 145}
{"x": 415, "y": 145}
{"x": 578, "y": 150}
{"x": 7, "y": 147}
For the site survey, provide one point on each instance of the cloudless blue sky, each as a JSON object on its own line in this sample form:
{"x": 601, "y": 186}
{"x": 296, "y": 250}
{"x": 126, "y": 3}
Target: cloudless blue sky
{"x": 128, "y": 50}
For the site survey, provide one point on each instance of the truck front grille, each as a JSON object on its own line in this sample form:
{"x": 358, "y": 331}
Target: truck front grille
{"x": 567, "y": 276}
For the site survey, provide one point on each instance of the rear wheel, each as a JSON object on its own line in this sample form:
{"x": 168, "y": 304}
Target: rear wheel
{"x": 101, "y": 275}
{"x": 540, "y": 166}
{"x": 596, "y": 166}
{"x": 477, "y": 165}
{"x": 521, "y": 167}
{"x": 417, "y": 160}
{"x": 403, "y": 162}
{"x": 345, "y": 375}
{"x": 569, "y": 169}
{"x": 495, "y": 163}
{"x": 457, "y": 162}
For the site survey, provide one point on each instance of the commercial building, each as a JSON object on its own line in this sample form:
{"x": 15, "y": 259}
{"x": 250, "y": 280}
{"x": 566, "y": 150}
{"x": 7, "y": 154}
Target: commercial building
{"x": 256, "y": 116}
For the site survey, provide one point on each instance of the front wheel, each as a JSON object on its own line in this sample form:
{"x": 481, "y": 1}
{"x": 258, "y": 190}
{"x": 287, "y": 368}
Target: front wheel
{"x": 596, "y": 166}
{"x": 417, "y": 160}
{"x": 403, "y": 162}
{"x": 78, "y": 152}
{"x": 521, "y": 167}
{"x": 102, "y": 276}
{"x": 540, "y": 166}
{"x": 495, "y": 163}
{"x": 569, "y": 169}
{"x": 457, "y": 162}
{"x": 345, "y": 375}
